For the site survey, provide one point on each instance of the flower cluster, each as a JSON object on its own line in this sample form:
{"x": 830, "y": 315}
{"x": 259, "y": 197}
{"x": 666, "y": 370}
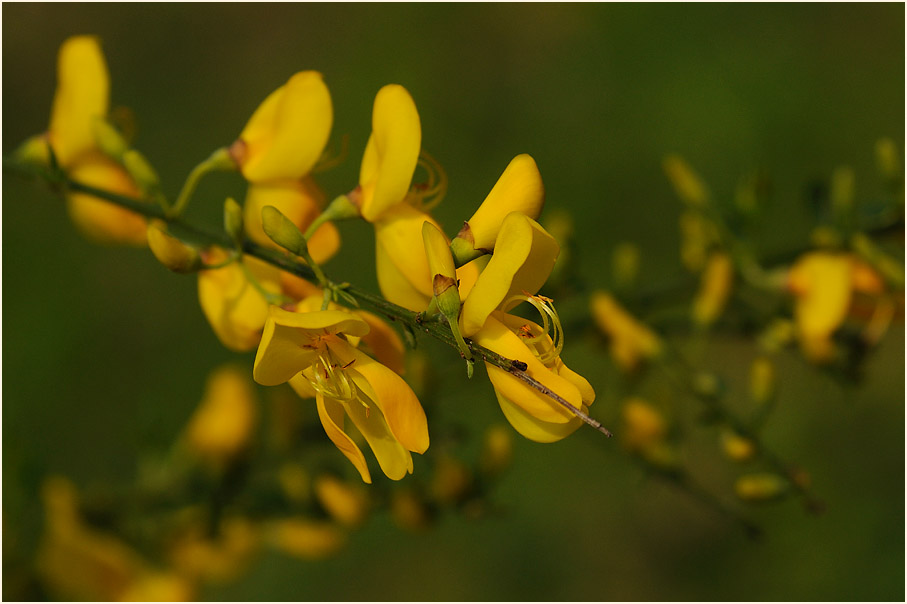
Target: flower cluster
{"x": 349, "y": 361}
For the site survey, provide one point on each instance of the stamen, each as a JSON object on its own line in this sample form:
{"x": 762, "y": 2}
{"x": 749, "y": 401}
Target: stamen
{"x": 427, "y": 195}
{"x": 330, "y": 380}
{"x": 551, "y": 325}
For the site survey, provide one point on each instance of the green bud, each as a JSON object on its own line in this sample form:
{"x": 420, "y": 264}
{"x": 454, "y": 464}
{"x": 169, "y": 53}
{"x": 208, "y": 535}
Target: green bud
{"x": 461, "y": 248}
{"x": 760, "y": 487}
{"x": 283, "y": 232}
{"x": 141, "y": 172}
{"x": 887, "y": 158}
{"x": 233, "y": 221}
{"x": 34, "y": 150}
{"x": 109, "y": 139}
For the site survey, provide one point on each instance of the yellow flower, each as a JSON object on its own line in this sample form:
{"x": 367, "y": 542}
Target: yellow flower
{"x": 346, "y": 503}
{"x": 307, "y": 350}
{"x": 384, "y": 196}
{"x": 81, "y": 99}
{"x": 79, "y": 562}
{"x": 631, "y": 341}
{"x": 391, "y": 153}
{"x": 714, "y": 289}
{"x": 198, "y": 556}
{"x": 277, "y": 150}
{"x": 82, "y": 96}
{"x": 235, "y": 309}
{"x": 306, "y": 539}
{"x": 532, "y": 413}
{"x": 519, "y": 189}
{"x": 222, "y": 426}
{"x": 824, "y": 284}
{"x": 524, "y": 258}
{"x": 287, "y": 133}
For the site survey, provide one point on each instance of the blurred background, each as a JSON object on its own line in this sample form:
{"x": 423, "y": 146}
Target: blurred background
{"x": 106, "y": 353}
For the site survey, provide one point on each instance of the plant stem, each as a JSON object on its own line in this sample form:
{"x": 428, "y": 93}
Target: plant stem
{"x": 439, "y": 330}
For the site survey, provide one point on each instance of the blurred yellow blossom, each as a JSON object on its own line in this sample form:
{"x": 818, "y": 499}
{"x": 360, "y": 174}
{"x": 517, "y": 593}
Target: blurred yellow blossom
{"x": 224, "y": 422}
{"x": 631, "y": 341}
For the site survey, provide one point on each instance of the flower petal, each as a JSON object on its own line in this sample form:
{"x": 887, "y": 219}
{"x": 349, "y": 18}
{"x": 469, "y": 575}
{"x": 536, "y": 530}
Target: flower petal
{"x": 100, "y": 220}
{"x": 83, "y": 88}
{"x": 234, "y": 308}
{"x": 498, "y": 338}
{"x": 822, "y": 283}
{"x": 287, "y": 133}
{"x": 394, "y": 459}
{"x": 392, "y": 395}
{"x": 532, "y": 427}
{"x": 331, "y": 414}
{"x": 400, "y": 257}
{"x": 383, "y": 342}
{"x": 392, "y": 151}
{"x": 291, "y": 342}
{"x": 519, "y": 189}
{"x": 523, "y": 259}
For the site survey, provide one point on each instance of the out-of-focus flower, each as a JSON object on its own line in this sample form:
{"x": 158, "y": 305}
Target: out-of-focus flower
{"x": 762, "y": 380}
{"x": 760, "y": 487}
{"x": 497, "y": 450}
{"x": 81, "y": 99}
{"x": 79, "y": 562}
{"x": 306, "y": 349}
{"x": 305, "y": 538}
{"x": 223, "y": 424}
{"x": 215, "y": 560}
{"x": 170, "y": 251}
{"x": 409, "y": 510}
{"x": 714, "y": 289}
{"x": 452, "y": 480}
{"x": 631, "y": 341}
{"x": 346, "y": 503}
{"x": 737, "y": 447}
{"x": 685, "y": 181}
{"x": 234, "y": 307}
{"x": 824, "y": 284}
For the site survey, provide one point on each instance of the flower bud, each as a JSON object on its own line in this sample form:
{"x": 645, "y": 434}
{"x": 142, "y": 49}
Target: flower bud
{"x": 306, "y": 539}
{"x": 685, "y": 181}
{"x": 294, "y": 482}
{"x": 760, "y": 487}
{"x": 170, "y": 251}
{"x": 644, "y": 426}
{"x": 346, "y": 504}
{"x": 109, "y": 139}
{"x": 282, "y": 231}
{"x": 737, "y": 447}
{"x": 497, "y": 450}
{"x": 714, "y": 289}
{"x": 409, "y": 511}
{"x": 887, "y": 159}
{"x": 842, "y": 188}
{"x": 625, "y": 265}
{"x": 762, "y": 380}
{"x": 233, "y": 221}
{"x": 141, "y": 172}
{"x": 452, "y": 480}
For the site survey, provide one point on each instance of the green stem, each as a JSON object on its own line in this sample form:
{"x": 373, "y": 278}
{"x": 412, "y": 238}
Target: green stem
{"x": 437, "y": 330}
{"x": 218, "y": 161}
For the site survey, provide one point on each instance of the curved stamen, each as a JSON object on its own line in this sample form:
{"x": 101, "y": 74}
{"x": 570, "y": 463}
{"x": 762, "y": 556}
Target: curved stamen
{"x": 427, "y": 195}
{"x": 551, "y": 326}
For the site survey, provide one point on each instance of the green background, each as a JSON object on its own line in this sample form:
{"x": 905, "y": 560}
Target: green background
{"x": 105, "y": 352}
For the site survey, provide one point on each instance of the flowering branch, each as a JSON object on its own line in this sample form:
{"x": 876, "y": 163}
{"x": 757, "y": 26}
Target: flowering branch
{"x": 410, "y": 320}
